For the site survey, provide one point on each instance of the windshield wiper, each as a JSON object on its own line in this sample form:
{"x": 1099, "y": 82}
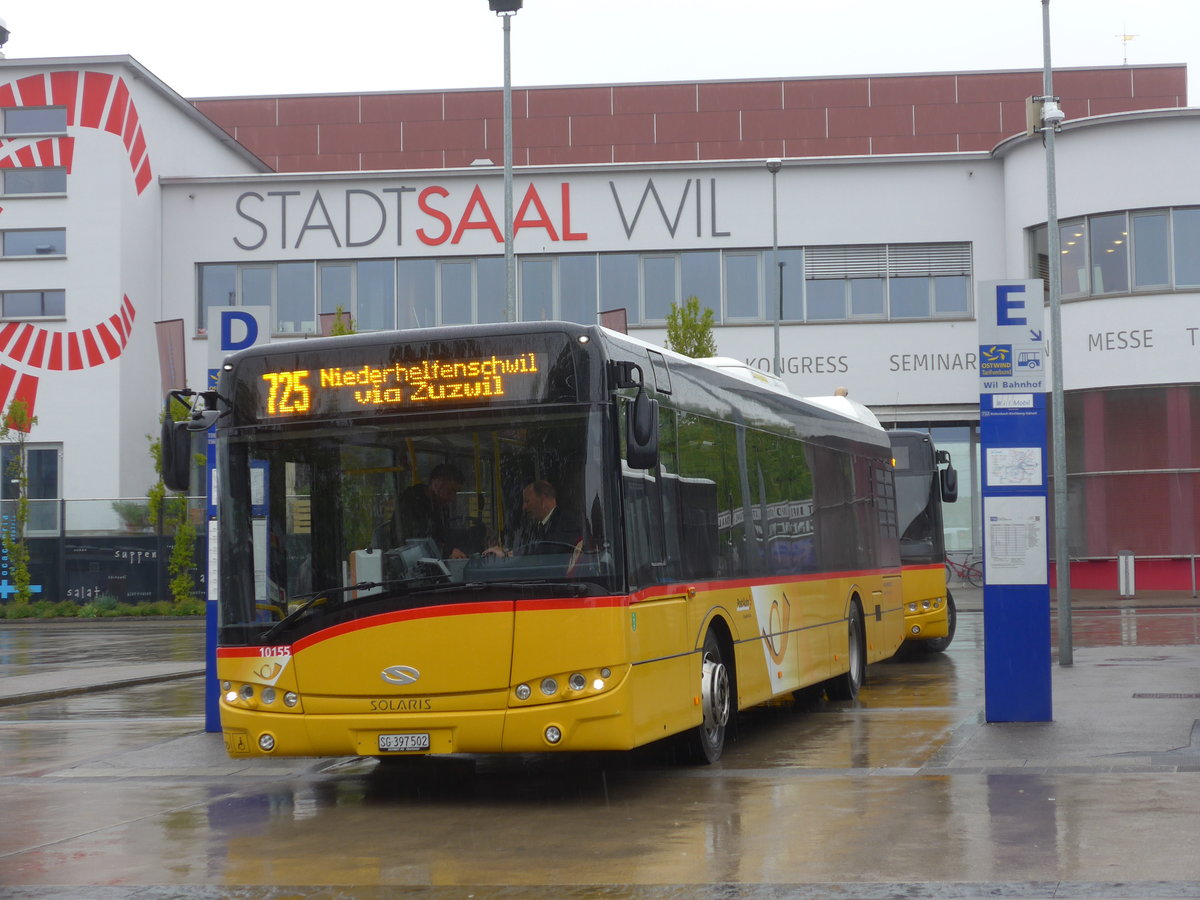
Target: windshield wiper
{"x": 315, "y": 597}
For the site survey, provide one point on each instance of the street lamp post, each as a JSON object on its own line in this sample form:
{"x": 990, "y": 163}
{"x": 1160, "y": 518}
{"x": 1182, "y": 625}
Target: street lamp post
{"x": 506, "y": 9}
{"x": 1052, "y": 117}
{"x": 773, "y": 166}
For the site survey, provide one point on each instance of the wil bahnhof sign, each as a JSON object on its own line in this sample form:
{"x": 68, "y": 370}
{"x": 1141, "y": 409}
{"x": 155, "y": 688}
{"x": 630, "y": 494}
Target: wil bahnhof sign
{"x": 1012, "y": 434}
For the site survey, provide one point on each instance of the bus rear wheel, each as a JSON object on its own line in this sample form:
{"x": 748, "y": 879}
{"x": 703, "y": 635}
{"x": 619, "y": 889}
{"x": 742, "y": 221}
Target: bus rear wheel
{"x": 847, "y": 685}
{"x": 707, "y": 741}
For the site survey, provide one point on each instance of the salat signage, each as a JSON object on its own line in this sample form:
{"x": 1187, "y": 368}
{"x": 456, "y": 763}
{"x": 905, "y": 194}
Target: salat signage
{"x": 547, "y": 212}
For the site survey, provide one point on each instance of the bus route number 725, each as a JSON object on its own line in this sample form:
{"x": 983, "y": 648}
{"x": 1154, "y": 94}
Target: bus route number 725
{"x": 288, "y": 393}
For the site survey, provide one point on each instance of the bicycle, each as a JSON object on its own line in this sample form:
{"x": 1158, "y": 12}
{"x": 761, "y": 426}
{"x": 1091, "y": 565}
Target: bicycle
{"x": 969, "y": 570}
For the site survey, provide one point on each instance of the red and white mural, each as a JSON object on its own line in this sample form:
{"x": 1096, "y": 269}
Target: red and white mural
{"x": 92, "y": 100}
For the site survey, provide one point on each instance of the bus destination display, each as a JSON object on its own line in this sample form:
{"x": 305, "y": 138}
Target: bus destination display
{"x": 411, "y": 384}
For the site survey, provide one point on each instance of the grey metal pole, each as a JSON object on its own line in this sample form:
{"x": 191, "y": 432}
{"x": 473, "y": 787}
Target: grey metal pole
{"x": 1062, "y": 554}
{"x": 773, "y": 166}
{"x": 510, "y": 263}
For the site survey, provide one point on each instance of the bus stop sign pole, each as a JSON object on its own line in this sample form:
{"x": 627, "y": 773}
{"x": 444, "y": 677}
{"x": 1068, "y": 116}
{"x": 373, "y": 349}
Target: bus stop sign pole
{"x": 1012, "y": 434}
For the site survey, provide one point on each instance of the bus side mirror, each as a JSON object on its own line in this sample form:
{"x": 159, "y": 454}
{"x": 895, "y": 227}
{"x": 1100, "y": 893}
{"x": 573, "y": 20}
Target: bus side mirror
{"x": 176, "y": 447}
{"x": 641, "y": 432}
{"x": 949, "y": 484}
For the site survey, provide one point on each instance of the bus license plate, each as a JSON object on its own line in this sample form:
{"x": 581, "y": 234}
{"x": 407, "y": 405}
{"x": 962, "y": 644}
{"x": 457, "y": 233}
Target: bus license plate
{"x": 396, "y": 742}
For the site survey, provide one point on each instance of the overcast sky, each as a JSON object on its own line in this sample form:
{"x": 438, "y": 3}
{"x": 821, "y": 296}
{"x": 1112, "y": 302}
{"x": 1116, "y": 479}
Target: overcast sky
{"x": 223, "y": 48}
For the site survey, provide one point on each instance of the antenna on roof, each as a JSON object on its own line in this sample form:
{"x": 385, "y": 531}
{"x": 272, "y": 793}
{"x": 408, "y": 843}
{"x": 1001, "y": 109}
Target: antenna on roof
{"x": 1124, "y": 39}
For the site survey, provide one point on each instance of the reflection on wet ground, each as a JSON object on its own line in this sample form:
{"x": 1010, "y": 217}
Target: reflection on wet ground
{"x": 818, "y": 800}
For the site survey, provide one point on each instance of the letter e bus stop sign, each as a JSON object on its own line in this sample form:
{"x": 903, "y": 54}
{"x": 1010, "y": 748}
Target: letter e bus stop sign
{"x": 1012, "y": 434}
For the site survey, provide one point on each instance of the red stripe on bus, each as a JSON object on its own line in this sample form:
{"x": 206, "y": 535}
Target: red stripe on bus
{"x": 405, "y": 615}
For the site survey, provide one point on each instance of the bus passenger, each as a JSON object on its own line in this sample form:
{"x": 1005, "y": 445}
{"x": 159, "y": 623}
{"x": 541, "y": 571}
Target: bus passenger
{"x": 424, "y": 510}
{"x": 547, "y": 528}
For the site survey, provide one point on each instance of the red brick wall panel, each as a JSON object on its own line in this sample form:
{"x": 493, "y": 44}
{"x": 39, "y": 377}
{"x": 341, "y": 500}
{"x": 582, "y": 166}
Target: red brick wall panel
{"x": 231, "y": 113}
{"x": 278, "y": 140}
{"x": 1163, "y": 82}
{"x": 922, "y": 143}
{"x": 1102, "y": 106}
{"x": 874, "y": 121}
{"x": 480, "y": 104}
{"x": 654, "y": 98}
{"x": 919, "y": 89}
{"x": 714, "y": 126}
{"x": 540, "y": 132}
{"x": 969, "y": 143}
{"x": 442, "y": 135}
{"x": 375, "y": 137}
{"x": 763, "y": 125}
{"x": 740, "y": 95}
{"x": 318, "y": 110}
{"x": 655, "y": 152}
{"x": 818, "y": 93}
{"x": 574, "y": 155}
{"x": 401, "y": 107}
{"x": 1108, "y": 83}
{"x": 849, "y": 146}
{"x": 959, "y": 118}
{"x": 421, "y": 159}
{"x": 995, "y": 86}
{"x": 608, "y": 130}
{"x": 587, "y": 101}
{"x": 318, "y": 162}
{"x": 741, "y": 149}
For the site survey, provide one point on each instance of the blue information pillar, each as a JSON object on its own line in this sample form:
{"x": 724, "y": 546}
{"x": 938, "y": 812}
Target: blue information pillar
{"x": 1012, "y": 433}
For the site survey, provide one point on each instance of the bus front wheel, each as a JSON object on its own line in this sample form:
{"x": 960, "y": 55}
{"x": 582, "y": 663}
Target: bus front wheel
{"x": 707, "y": 740}
{"x": 846, "y": 686}
{"x": 938, "y": 645}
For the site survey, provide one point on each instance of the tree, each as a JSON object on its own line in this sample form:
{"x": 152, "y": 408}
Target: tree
{"x": 342, "y": 323}
{"x": 689, "y": 331}
{"x": 174, "y": 518}
{"x": 15, "y": 429}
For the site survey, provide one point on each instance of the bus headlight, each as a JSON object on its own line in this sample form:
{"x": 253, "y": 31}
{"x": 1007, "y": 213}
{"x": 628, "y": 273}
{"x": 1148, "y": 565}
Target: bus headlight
{"x": 549, "y": 687}
{"x": 553, "y": 734}
{"x": 290, "y": 699}
{"x": 266, "y": 742}
{"x": 524, "y": 692}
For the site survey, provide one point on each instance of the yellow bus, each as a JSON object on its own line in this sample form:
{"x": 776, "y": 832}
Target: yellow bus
{"x": 716, "y": 543}
{"x": 922, "y": 486}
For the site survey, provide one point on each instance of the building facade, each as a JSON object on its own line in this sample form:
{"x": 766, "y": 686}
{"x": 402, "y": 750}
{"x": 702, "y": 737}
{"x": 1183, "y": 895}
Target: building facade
{"x": 124, "y": 205}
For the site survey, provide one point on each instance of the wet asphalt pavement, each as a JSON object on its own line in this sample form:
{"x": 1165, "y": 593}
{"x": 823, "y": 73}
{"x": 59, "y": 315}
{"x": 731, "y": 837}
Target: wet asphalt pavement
{"x": 903, "y": 793}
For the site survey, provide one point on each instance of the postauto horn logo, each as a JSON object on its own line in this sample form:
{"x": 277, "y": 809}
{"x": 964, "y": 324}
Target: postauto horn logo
{"x": 400, "y": 675}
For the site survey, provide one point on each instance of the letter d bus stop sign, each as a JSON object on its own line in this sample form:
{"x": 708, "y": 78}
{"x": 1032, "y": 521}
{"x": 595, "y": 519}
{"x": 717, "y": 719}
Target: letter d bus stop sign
{"x": 1012, "y": 435}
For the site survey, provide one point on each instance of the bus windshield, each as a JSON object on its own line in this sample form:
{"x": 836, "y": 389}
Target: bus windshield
{"x": 327, "y": 522}
{"x": 917, "y": 499}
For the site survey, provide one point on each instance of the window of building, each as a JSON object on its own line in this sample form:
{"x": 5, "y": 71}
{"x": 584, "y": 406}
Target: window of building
{"x": 1186, "y": 242}
{"x": 35, "y": 242}
{"x": 35, "y": 180}
{"x": 743, "y": 290}
{"x": 42, "y": 465}
{"x": 32, "y": 304}
{"x": 660, "y": 286}
{"x": 577, "y": 288}
{"x": 1120, "y": 252}
{"x": 537, "y": 289}
{"x": 35, "y": 120}
{"x": 816, "y": 284}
